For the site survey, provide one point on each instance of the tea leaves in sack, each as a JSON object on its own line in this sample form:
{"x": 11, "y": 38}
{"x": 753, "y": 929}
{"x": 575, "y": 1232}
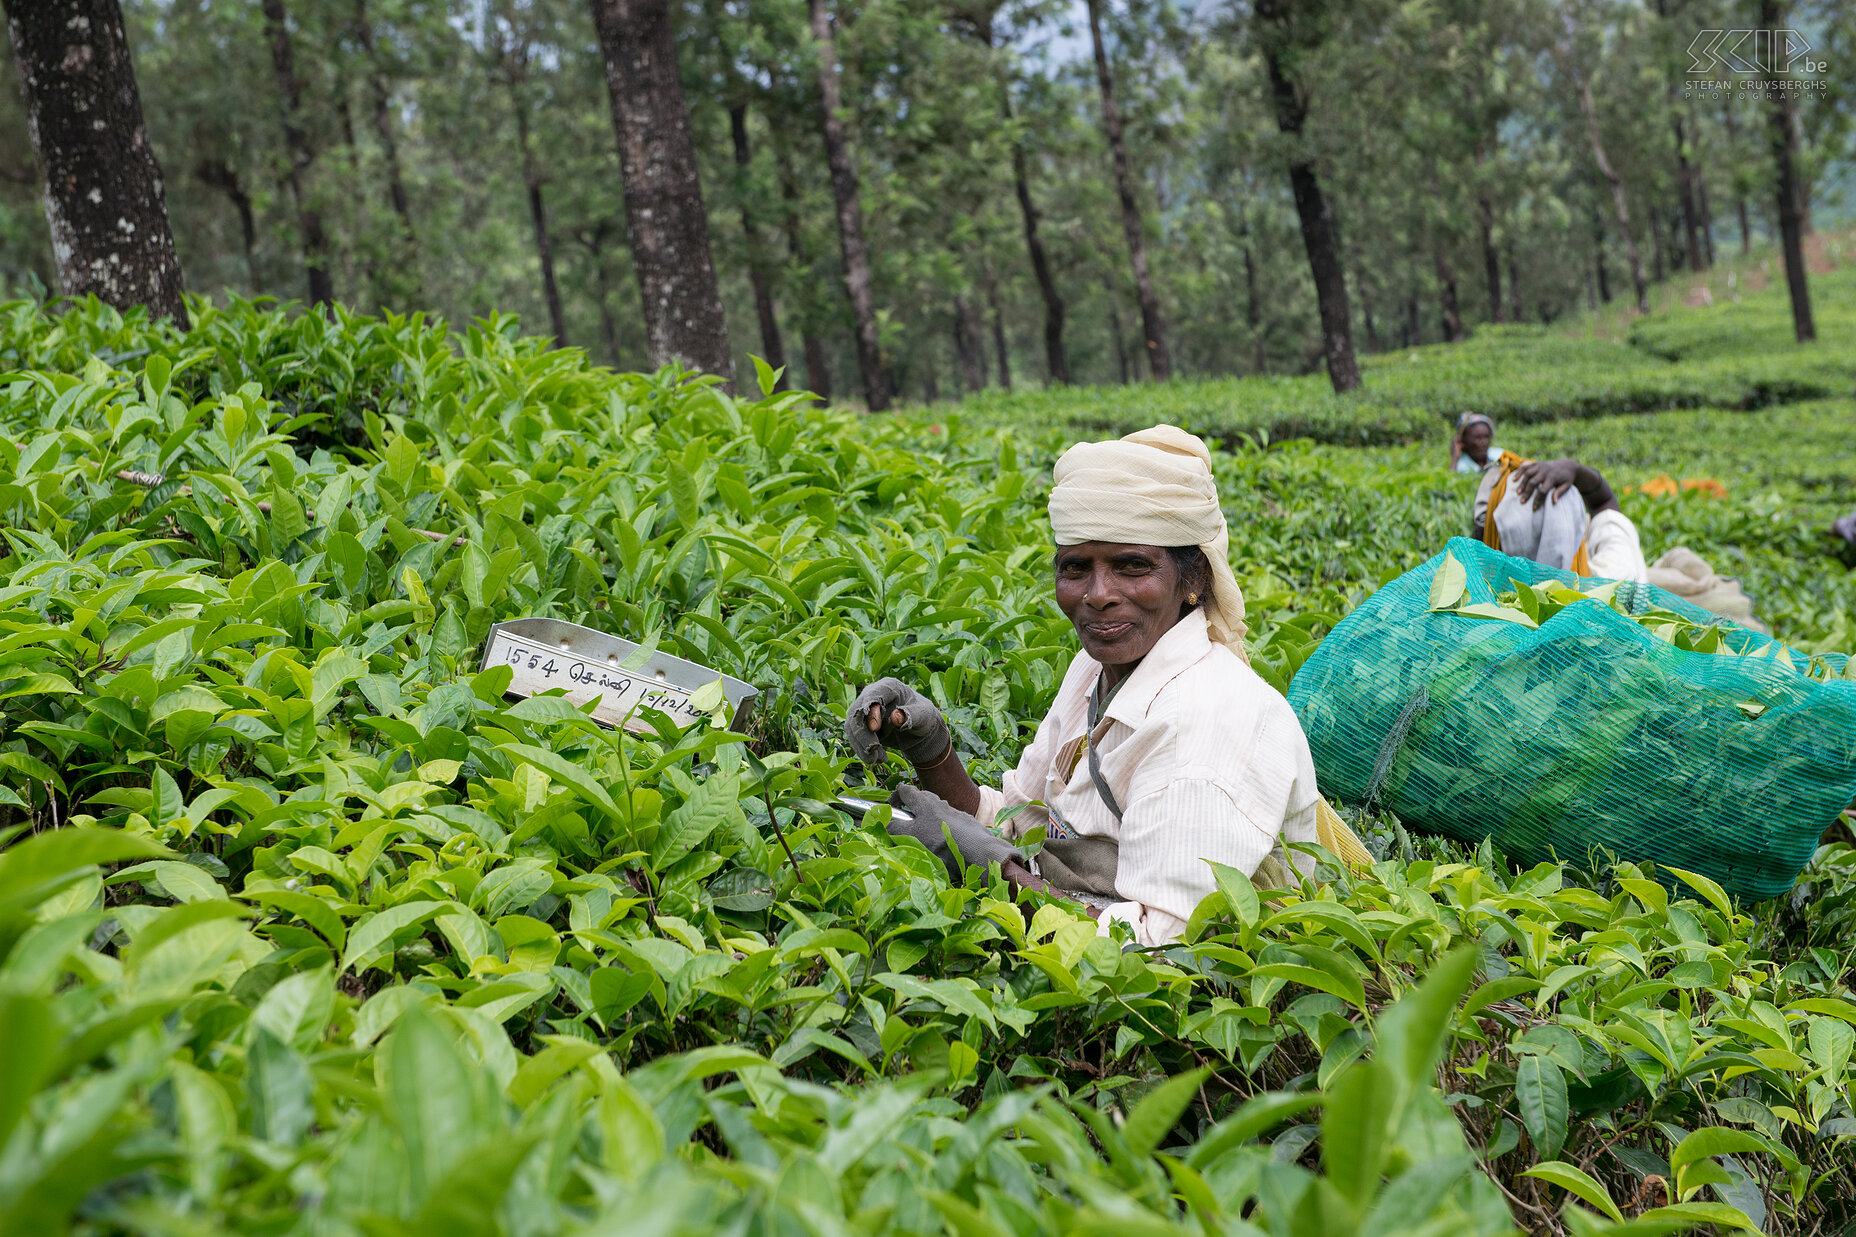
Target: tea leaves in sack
{"x": 1618, "y": 721}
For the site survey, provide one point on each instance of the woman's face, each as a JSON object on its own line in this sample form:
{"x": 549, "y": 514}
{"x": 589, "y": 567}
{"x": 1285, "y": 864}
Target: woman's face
{"x": 1476, "y": 440}
{"x": 1122, "y": 598}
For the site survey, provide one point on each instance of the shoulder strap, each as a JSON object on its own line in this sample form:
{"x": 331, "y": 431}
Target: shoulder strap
{"x": 1096, "y": 705}
{"x": 1509, "y": 462}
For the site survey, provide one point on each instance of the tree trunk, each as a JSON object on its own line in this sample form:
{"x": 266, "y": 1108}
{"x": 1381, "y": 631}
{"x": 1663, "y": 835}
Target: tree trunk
{"x": 1114, "y": 330}
{"x": 1159, "y": 361}
{"x": 300, "y": 155}
{"x": 1691, "y": 214}
{"x": 105, "y": 202}
{"x": 1366, "y": 309}
{"x": 1733, "y": 137}
{"x": 1414, "y": 333}
{"x": 1452, "y": 313}
{"x": 1514, "y": 286}
{"x": 1782, "y": 130}
{"x": 382, "y": 100}
{"x": 664, "y": 217}
{"x": 968, "y": 349}
{"x": 1253, "y": 309}
{"x": 594, "y": 238}
{"x": 843, "y": 164}
{"x": 512, "y": 65}
{"x": 1320, "y": 235}
{"x": 1056, "y": 361}
{"x": 220, "y": 175}
{"x": 1707, "y": 218}
{"x": 760, "y": 278}
{"x": 538, "y": 218}
{"x": 1598, "y": 254}
{"x": 1619, "y": 206}
{"x": 818, "y": 373}
{"x": 998, "y": 328}
{"x": 1055, "y": 358}
{"x": 1658, "y": 269}
{"x": 1491, "y": 260}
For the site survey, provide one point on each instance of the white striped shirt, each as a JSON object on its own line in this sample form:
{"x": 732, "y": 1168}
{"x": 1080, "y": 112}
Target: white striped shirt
{"x": 1206, "y": 760}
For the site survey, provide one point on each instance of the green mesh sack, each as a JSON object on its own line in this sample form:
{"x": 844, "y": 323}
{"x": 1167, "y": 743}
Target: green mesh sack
{"x": 1586, "y": 737}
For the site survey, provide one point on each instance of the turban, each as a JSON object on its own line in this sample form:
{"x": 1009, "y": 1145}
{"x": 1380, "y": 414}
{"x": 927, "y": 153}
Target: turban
{"x": 1154, "y": 487}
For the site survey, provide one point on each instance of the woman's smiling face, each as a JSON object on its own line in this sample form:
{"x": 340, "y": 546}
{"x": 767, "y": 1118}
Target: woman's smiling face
{"x": 1121, "y": 598}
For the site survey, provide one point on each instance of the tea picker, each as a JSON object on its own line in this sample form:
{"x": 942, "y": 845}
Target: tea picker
{"x": 1163, "y": 749}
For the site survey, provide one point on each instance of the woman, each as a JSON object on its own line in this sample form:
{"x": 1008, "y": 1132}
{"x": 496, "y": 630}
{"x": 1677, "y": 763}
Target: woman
{"x": 1162, "y": 740}
{"x": 1473, "y": 447}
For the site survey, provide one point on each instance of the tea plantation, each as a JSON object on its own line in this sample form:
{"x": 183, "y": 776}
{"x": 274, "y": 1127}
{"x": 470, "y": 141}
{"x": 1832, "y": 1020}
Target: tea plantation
{"x": 306, "y": 928}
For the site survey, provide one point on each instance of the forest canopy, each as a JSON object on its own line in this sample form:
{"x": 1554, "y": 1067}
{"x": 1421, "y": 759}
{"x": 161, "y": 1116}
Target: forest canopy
{"x": 1094, "y": 192}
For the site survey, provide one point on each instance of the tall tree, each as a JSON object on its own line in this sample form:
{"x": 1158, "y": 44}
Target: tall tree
{"x": 999, "y": 344}
{"x": 1733, "y": 138}
{"x": 298, "y": 154}
{"x": 1782, "y": 128}
{"x": 221, "y": 175}
{"x": 1159, "y": 361}
{"x": 380, "y": 97}
{"x": 104, "y": 198}
{"x": 1056, "y": 358}
{"x": 968, "y": 349}
{"x": 1446, "y": 294}
{"x": 1568, "y": 54}
{"x": 1691, "y": 210}
{"x": 1598, "y": 253}
{"x": 798, "y": 256}
{"x": 1488, "y": 144}
{"x": 760, "y": 272}
{"x": 979, "y": 17}
{"x": 1284, "y": 41}
{"x": 842, "y": 160}
{"x": 512, "y": 61}
{"x": 1491, "y": 258}
{"x": 664, "y": 216}
{"x": 1619, "y": 204}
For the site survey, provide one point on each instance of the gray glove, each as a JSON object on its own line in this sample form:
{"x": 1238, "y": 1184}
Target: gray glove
{"x": 921, "y": 735}
{"x": 977, "y": 843}
{"x": 1081, "y": 865}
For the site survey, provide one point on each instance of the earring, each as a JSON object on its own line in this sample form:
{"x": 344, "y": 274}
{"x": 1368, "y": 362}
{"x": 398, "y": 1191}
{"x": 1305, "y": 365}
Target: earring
{"x": 1192, "y": 599}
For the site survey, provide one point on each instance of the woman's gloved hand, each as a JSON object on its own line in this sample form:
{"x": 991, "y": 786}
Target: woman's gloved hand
{"x": 905, "y": 720}
{"x": 977, "y": 843}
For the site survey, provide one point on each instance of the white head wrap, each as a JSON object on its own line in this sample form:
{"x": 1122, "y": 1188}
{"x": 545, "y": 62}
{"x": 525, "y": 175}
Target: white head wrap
{"x": 1154, "y": 487}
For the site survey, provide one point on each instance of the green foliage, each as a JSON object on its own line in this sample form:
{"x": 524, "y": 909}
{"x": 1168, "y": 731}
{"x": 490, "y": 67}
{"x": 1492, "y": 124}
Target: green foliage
{"x": 1517, "y": 375}
{"x": 304, "y": 924}
{"x": 1744, "y": 324}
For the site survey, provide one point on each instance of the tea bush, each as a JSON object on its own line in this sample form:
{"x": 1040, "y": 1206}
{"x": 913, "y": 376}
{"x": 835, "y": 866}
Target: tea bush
{"x": 305, "y": 927}
{"x": 1751, "y": 324}
{"x": 1737, "y": 355}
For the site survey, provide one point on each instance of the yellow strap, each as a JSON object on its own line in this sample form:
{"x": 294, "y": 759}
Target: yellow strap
{"x": 1332, "y": 832}
{"x": 1508, "y": 463}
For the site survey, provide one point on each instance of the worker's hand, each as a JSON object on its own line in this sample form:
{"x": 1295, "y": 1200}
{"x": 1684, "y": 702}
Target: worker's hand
{"x": 891, "y": 713}
{"x": 976, "y": 843}
{"x": 1538, "y": 478}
